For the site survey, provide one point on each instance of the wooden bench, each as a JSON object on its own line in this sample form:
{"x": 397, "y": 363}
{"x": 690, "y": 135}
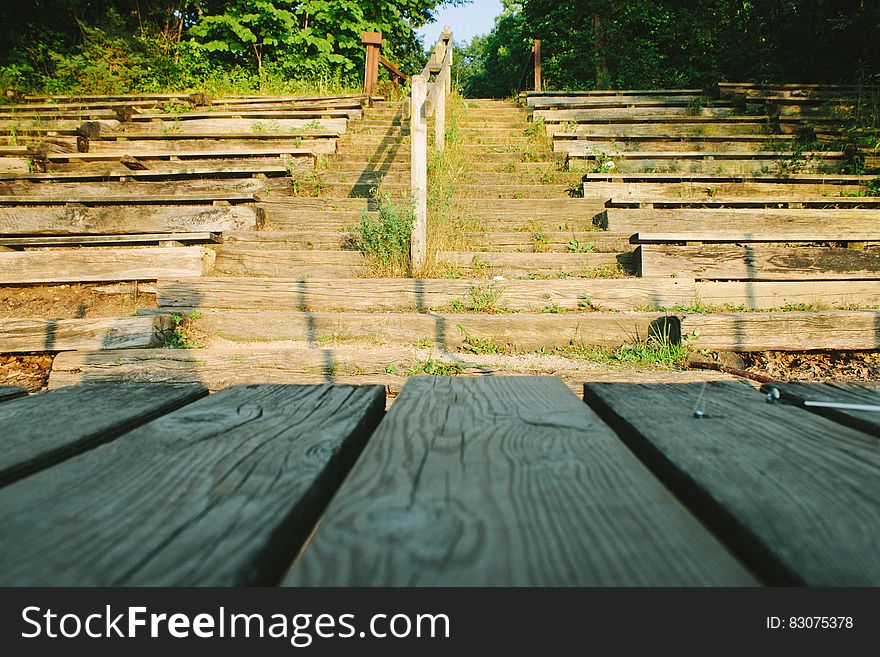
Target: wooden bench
{"x": 221, "y": 491}
{"x": 796, "y": 494}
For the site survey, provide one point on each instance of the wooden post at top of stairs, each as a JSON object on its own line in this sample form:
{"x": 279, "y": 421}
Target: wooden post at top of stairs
{"x": 373, "y": 42}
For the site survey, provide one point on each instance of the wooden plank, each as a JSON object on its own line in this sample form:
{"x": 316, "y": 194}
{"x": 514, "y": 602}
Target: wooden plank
{"x": 504, "y": 482}
{"x": 150, "y": 155}
{"x": 248, "y": 260}
{"x": 785, "y": 331}
{"x": 641, "y": 114}
{"x": 675, "y": 190}
{"x": 118, "y": 240}
{"x": 154, "y": 199}
{"x": 11, "y": 392}
{"x": 837, "y": 393}
{"x": 665, "y": 128}
{"x": 790, "y": 201}
{"x": 188, "y": 191}
{"x": 523, "y": 263}
{"x": 769, "y": 224}
{"x": 785, "y": 234}
{"x": 104, "y": 264}
{"x": 730, "y": 262}
{"x": 404, "y": 294}
{"x": 783, "y": 179}
{"x": 795, "y": 495}
{"x": 162, "y": 171}
{"x": 30, "y": 334}
{"x": 42, "y": 430}
{"x": 220, "y": 492}
{"x": 118, "y": 220}
{"x": 213, "y": 125}
{"x": 467, "y": 332}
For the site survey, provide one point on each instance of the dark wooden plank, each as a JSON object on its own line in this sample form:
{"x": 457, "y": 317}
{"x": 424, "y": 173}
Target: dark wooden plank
{"x": 504, "y": 481}
{"x": 221, "y": 492}
{"x": 793, "y": 494}
{"x": 45, "y": 429}
{"x": 838, "y": 393}
{"x": 11, "y": 392}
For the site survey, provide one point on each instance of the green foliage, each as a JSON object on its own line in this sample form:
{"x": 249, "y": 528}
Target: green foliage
{"x": 178, "y": 337}
{"x": 385, "y": 239}
{"x": 434, "y": 367}
{"x": 276, "y": 46}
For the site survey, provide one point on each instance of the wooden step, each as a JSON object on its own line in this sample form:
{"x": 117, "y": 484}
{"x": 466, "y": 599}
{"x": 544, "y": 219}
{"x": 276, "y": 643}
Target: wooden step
{"x": 689, "y": 127}
{"x": 754, "y": 263}
{"x": 657, "y": 201}
{"x": 459, "y": 332}
{"x": 769, "y": 224}
{"x": 403, "y": 294}
{"x": 110, "y": 220}
{"x": 707, "y": 190}
{"x": 163, "y": 239}
{"x": 88, "y": 193}
{"x": 785, "y": 331}
{"x": 104, "y": 264}
{"x": 31, "y": 334}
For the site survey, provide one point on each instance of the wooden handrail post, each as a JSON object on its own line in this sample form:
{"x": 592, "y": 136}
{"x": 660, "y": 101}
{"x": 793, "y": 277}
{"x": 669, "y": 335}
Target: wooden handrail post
{"x": 440, "y": 121}
{"x": 446, "y": 37}
{"x": 419, "y": 170}
{"x": 373, "y": 42}
{"x": 537, "y": 50}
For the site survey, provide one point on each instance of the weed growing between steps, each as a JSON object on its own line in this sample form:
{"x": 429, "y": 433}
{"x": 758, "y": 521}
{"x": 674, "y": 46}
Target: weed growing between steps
{"x": 384, "y": 239}
{"x": 184, "y": 334}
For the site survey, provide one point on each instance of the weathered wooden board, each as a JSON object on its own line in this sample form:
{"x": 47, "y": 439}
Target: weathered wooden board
{"x": 45, "y": 429}
{"x": 249, "y": 260}
{"x": 694, "y": 127}
{"x": 602, "y": 102}
{"x": 201, "y": 146}
{"x": 785, "y": 331}
{"x": 668, "y": 163}
{"x": 524, "y": 263}
{"x": 675, "y": 190}
{"x": 711, "y": 180}
{"x": 153, "y": 199}
{"x": 109, "y": 220}
{"x": 467, "y": 332}
{"x": 11, "y": 392}
{"x": 768, "y": 263}
{"x": 795, "y": 495}
{"x": 643, "y": 114}
{"x": 838, "y": 393}
{"x": 221, "y": 492}
{"x": 756, "y": 222}
{"x": 187, "y": 191}
{"x": 212, "y": 125}
{"x": 765, "y": 235}
{"x": 584, "y": 145}
{"x": 504, "y": 482}
{"x": 403, "y": 294}
{"x": 161, "y": 171}
{"x": 100, "y": 264}
{"x": 255, "y": 115}
{"x": 29, "y": 334}
{"x": 659, "y": 201}
{"x": 109, "y": 240}
{"x": 13, "y": 164}
{"x": 157, "y": 155}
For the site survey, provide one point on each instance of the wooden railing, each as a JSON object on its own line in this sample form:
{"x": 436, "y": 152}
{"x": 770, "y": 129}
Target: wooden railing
{"x": 534, "y": 58}
{"x": 427, "y": 99}
{"x": 373, "y": 43}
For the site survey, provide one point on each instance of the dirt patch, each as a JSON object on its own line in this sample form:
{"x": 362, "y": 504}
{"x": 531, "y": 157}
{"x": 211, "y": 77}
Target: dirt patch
{"x": 75, "y": 301}
{"x": 29, "y": 371}
{"x": 815, "y": 366}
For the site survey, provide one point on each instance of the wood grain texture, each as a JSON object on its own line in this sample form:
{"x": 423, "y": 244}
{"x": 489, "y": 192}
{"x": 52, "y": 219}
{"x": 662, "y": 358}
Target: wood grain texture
{"x": 31, "y": 334}
{"x": 109, "y": 240}
{"x": 11, "y": 392}
{"x": 110, "y": 264}
{"x": 768, "y": 263}
{"x": 785, "y": 331}
{"x": 221, "y": 492}
{"x": 45, "y": 429}
{"x": 672, "y": 191}
{"x": 847, "y": 393}
{"x": 753, "y": 223}
{"x": 504, "y": 482}
{"x": 126, "y": 192}
{"x": 124, "y": 219}
{"x": 524, "y": 331}
{"x": 395, "y": 294}
{"x": 793, "y": 494}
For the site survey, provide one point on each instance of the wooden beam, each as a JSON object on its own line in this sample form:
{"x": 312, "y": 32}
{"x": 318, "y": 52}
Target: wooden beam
{"x": 434, "y": 466}
{"x": 785, "y": 331}
{"x": 30, "y": 334}
{"x": 536, "y": 49}
{"x": 104, "y": 264}
{"x": 120, "y": 220}
{"x": 812, "y": 521}
{"x": 46, "y": 429}
{"x": 419, "y": 170}
{"x": 754, "y": 263}
{"x": 200, "y": 496}
{"x": 11, "y": 392}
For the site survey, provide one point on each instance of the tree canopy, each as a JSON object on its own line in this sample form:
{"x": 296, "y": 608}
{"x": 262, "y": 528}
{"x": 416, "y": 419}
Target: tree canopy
{"x": 115, "y": 45}
{"x": 591, "y": 44}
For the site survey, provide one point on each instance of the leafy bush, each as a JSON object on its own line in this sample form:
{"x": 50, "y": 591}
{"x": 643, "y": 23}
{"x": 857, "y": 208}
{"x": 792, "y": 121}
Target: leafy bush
{"x": 385, "y": 239}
